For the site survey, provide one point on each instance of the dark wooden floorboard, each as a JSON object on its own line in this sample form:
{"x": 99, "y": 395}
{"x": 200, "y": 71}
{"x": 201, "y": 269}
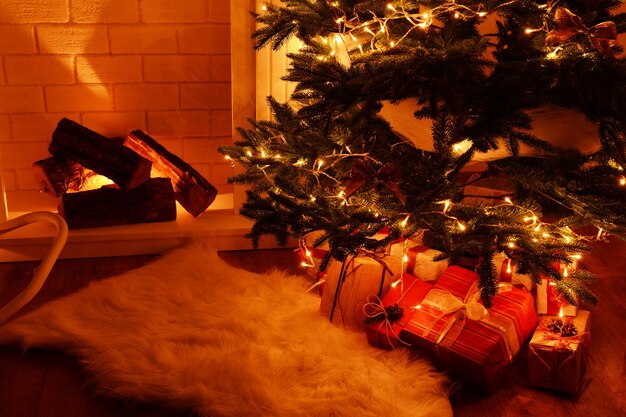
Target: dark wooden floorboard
{"x": 41, "y": 383}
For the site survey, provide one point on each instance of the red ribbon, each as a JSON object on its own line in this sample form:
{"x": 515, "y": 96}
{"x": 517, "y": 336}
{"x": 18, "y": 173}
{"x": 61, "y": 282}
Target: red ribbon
{"x": 602, "y": 36}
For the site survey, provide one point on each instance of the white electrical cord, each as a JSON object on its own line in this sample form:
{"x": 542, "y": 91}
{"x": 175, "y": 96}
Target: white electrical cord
{"x": 41, "y": 272}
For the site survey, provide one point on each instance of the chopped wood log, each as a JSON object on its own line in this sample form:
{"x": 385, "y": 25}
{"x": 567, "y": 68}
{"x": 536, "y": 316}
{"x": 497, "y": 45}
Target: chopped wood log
{"x": 105, "y": 156}
{"x": 58, "y": 176}
{"x": 192, "y": 190}
{"x": 152, "y": 201}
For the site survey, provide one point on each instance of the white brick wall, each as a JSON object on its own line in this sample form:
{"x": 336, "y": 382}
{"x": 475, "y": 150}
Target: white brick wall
{"x": 162, "y": 66}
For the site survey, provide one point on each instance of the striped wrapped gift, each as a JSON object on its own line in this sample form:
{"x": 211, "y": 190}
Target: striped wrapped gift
{"x": 407, "y": 294}
{"x": 550, "y": 302}
{"x": 419, "y": 260}
{"x": 471, "y": 342}
{"x": 507, "y": 272}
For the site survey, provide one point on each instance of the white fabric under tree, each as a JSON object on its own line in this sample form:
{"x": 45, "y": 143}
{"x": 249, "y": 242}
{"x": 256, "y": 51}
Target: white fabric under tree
{"x": 191, "y": 332}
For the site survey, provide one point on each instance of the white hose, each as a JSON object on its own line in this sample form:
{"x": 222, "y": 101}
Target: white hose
{"x": 41, "y": 272}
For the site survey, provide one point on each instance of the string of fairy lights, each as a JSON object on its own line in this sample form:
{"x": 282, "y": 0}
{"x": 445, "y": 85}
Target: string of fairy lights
{"x": 358, "y": 31}
{"x": 370, "y": 31}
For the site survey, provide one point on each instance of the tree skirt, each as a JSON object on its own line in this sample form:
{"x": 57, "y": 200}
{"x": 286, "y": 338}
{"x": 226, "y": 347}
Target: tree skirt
{"x": 191, "y": 332}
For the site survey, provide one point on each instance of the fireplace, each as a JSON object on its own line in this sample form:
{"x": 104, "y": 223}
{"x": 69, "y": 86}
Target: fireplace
{"x": 115, "y": 66}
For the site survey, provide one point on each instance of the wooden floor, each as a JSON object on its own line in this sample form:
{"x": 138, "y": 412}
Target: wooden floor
{"x": 40, "y": 383}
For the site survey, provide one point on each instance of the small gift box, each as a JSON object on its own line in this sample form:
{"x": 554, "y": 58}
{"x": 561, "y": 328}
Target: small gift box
{"x": 388, "y": 316}
{"x": 557, "y": 353}
{"x": 449, "y": 320}
{"x": 507, "y": 272}
{"x": 349, "y": 285}
{"x": 550, "y": 302}
{"x": 419, "y": 260}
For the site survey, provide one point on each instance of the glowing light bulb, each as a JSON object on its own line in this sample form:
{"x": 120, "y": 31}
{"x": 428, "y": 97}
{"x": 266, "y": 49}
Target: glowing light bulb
{"x": 561, "y": 312}
{"x": 482, "y": 14}
{"x": 313, "y": 198}
{"x": 392, "y": 44}
{"x": 461, "y": 226}
{"x": 264, "y": 7}
{"x": 446, "y": 206}
{"x": 511, "y": 245}
{"x": 508, "y": 200}
{"x": 319, "y": 164}
{"x": 418, "y": 307}
{"x": 622, "y": 181}
{"x": 405, "y": 258}
{"x": 262, "y": 153}
{"x": 508, "y": 266}
{"x": 600, "y": 230}
{"x": 338, "y": 21}
{"x": 249, "y": 153}
{"x": 395, "y": 283}
{"x": 565, "y": 272}
{"x": 404, "y": 222}
{"x": 227, "y": 157}
{"x": 390, "y": 7}
{"x": 528, "y": 31}
{"x": 457, "y": 15}
{"x": 577, "y": 256}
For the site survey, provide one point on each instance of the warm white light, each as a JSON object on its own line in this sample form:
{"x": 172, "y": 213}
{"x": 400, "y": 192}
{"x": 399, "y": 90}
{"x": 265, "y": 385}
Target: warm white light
{"x": 577, "y": 256}
{"x": 395, "y": 283}
{"x": 508, "y": 266}
{"x": 227, "y": 157}
{"x": 508, "y": 200}
{"x": 404, "y": 222}
{"x": 446, "y": 206}
{"x": 599, "y": 233}
{"x": 418, "y": 307}
{"x": 264, "y": 8}
{"x": 622, "y": 181}
{"x": 249, "y": 153}
{"x": 482, "y": 14}
{"x": 561, "y": 312}
{"x": 565, "y": 272}
{"x": 461, "y": 226}
{"x": 390, "y": 7}
{"x": 392, "y": 44}
{"x": 319, "y": 164}
{"x": 511, "y": 245}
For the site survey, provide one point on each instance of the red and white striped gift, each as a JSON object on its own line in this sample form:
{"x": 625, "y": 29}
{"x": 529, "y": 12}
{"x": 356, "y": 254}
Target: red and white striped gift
{"x": 419, "y": 260}
{"x": 507, "y": 272}
{"x": 479, "y": 351}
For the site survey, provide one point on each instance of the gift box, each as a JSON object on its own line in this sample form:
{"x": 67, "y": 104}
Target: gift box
{"x": 384, "y": 331}
{"x": 507, "y": 272}
{"x": 351, "y": 283}
{"x": 449, "y": 320}
{"x": 419, "y": 260}
{"x": 550, "y": 302}
{"x": 557, "y": 361}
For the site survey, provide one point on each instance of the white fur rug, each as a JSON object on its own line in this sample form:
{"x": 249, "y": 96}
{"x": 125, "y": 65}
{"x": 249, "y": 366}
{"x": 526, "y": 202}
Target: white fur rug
{"x": 191, "y": 332}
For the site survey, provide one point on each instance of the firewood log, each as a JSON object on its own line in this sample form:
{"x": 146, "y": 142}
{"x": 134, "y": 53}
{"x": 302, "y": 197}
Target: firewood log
{"x": 152, "y": 201}
{"x": 192, "y": 190}
{"x": 58, "y": 176}
{"x": 105, "y": 156}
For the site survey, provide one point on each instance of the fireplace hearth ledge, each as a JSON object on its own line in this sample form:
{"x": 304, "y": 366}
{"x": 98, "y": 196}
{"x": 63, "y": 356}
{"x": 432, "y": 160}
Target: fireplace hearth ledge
{"x": 224, "y": 228}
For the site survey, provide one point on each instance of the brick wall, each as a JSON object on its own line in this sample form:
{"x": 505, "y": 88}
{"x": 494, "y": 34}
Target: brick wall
{"x": 162, "y": 66}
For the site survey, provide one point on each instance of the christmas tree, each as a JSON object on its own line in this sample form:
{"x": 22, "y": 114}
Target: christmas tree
{"x": 329, "y": 162}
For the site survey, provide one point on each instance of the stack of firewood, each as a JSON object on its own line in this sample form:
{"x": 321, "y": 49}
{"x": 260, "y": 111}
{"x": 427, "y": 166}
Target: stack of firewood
{"x": 147, "y": 180}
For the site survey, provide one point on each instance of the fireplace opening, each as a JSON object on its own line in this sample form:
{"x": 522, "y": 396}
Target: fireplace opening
{"x": 161, "y": 68}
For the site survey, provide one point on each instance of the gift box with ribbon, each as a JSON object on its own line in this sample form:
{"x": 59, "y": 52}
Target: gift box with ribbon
{"x": 387, "y": 317}
{"x": 557, "y": 353}
{"x": 507, "y": 272}
{"x": 349, "y": 284}
{"x": 470, "y": 341}
{"x": 419, "y": 260}
{"x": 550, "y": 302}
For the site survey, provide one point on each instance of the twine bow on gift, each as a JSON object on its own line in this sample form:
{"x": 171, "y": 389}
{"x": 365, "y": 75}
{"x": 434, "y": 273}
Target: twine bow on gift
{"x": 602, "y": 36}
{"x": 471, "y": 308}
{"x": 375, "y": 312}
{"x": 362, "y": 173}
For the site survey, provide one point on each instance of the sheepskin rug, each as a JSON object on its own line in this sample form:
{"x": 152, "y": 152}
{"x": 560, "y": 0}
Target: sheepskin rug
{"x": 191, "y": 332}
